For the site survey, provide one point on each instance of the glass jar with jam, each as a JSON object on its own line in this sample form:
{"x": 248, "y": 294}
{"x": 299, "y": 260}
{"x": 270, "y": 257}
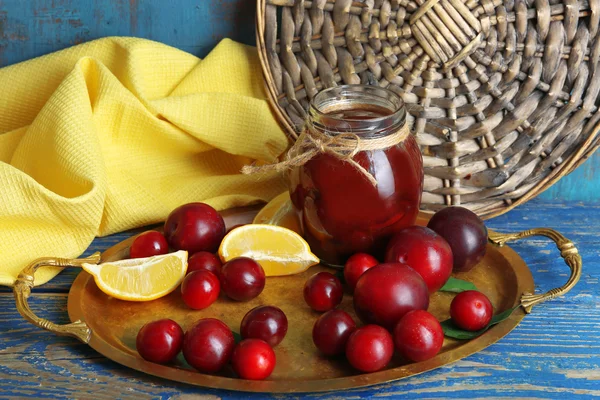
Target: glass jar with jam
{"x": 342, "y": 210}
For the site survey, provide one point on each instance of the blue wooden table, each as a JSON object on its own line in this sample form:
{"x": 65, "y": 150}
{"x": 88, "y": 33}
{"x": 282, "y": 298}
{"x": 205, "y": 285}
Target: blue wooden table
{"x": 553, "y": 353}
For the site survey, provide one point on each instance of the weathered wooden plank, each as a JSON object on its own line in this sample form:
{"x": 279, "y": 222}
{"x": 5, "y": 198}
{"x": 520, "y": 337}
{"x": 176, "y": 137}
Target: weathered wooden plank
{"x": 30, "y": 29}
{"x": 553, "y": 353}
{"x": 580, "y": 185}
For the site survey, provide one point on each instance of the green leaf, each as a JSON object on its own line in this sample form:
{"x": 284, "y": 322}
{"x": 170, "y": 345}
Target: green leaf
{"x": 455, "y": 332}
{"x": 502, "y": 316}
{"x": 455, "y": 285}
{"x": 237, "y": 337}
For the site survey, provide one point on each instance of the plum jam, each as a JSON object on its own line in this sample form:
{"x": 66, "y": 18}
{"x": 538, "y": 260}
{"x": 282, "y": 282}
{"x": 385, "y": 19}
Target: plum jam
{"x": 342, "y": 212}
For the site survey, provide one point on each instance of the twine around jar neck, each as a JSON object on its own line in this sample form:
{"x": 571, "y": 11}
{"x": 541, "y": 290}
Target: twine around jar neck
{"x": 343, "y": 146}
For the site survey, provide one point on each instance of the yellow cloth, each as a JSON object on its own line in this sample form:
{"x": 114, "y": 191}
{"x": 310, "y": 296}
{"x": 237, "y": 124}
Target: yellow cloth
{"x": 115, "y": 133}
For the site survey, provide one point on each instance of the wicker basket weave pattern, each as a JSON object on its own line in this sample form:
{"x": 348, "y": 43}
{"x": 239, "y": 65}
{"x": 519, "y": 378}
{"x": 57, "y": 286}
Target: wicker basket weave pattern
{"x": 502, "y": 94}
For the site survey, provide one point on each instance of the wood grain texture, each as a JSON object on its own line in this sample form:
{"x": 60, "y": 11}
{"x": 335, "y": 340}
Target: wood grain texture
{"x": 580, "y": 185}
{"x": 553, "y": 353}
{"x": 35, "y": 27}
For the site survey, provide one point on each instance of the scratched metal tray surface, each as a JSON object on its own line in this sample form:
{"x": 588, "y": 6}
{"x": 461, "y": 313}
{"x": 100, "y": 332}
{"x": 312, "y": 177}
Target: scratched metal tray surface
{"x": 502, "y": 275}
{"x": 110, "y": 326}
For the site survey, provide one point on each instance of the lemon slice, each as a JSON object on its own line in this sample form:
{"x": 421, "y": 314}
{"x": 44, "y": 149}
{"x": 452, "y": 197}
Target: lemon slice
{"x": 140, "y": 279}
{"x": 280, "y": 251}
{"x": 280, "y": 212}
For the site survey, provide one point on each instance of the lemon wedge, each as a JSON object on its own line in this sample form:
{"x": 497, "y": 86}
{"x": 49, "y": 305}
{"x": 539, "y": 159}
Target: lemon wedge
{"x": 279, "y": 251}
{"x": 140, "y": 279}
{"x": 280, "y": 212}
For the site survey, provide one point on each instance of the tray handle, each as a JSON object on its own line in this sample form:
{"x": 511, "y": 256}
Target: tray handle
{"x": 568, "y": 252}
{"x": 22, "y": 290}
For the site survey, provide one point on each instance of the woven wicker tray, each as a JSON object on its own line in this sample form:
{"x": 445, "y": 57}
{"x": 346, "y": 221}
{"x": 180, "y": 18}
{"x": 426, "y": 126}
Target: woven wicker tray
{"x": 502, "y": 96}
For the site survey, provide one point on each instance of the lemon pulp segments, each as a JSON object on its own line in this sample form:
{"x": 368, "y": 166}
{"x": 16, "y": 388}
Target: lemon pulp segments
{"x": 140, "y": 279}
{"x": 280, "y": 251}
{"x": 280, "y": 212}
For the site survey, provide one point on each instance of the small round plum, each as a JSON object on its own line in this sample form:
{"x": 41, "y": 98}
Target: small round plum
{"x": 465, "y": 232}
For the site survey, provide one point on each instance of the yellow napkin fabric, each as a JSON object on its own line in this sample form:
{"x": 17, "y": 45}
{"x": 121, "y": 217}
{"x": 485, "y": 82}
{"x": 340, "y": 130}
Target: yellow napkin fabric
{"x": 115, "y": 133}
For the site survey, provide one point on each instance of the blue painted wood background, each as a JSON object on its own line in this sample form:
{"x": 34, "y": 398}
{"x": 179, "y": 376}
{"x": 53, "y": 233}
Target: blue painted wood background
{"x": 30, "y": 28}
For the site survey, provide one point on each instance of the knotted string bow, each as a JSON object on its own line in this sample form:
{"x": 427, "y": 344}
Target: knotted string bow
{"x": 343, "y": 146}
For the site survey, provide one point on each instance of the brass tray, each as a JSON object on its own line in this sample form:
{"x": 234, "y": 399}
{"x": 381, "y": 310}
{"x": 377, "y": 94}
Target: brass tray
{"x": 110, "y": 326}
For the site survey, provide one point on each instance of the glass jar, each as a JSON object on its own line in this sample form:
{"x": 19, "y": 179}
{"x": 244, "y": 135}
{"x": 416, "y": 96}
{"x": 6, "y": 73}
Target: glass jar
{"x": 341, "y": 211}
